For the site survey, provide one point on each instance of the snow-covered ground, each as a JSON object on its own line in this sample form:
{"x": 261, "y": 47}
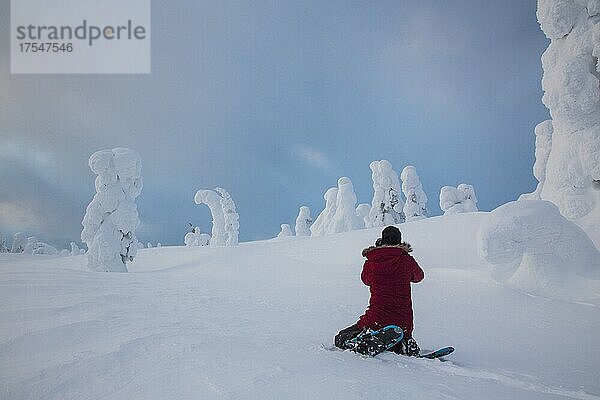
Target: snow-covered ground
{"x": 258, "y": 320}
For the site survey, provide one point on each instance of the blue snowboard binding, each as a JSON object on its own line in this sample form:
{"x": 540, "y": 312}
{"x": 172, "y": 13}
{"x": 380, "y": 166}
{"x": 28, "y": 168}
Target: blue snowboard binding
{"x": 370, "y": 343}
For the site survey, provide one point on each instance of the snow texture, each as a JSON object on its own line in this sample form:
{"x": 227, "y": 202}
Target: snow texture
{"x": 257, "y": 321}
{"x": 535, "y": 249}
{"x": 416, "y": 199}
{"x": 455, "y": 200}
{"x": 321, "y": 226}
{"x": 571, "y": 87}
{"x": 213, "y": 200}
{"x": 364, "y": 210}
{"x": 345, "y": 218}
{"x": 543, "y": 145}
{"x": 196, "y": 238}
{"x": 286, "y": 231}
{"x": 386, "y": 206}
{"x": 111, "y": 218}
{"x": 303, "y": 222}
{"x": 19, "y": 242}
{"x": 230, "y": 217}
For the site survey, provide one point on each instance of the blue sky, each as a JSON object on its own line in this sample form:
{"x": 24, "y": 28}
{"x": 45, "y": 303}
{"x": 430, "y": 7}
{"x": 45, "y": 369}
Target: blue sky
{"x": 274, "y": 101}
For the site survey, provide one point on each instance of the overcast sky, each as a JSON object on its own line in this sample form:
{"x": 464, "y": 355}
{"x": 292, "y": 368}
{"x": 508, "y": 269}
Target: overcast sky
{"x": 274, "y": 101}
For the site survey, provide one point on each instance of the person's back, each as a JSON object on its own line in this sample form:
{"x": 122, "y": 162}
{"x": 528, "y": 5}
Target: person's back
{"x": 388, "y": 271}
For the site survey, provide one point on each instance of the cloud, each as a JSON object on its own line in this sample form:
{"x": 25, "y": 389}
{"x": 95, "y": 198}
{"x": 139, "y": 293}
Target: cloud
{"x": 314, "y": 158}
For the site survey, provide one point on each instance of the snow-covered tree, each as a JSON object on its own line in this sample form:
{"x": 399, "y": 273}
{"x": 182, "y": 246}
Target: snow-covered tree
{"x": 543, "y": 145}
{"x": 213, "y": 200}
{"x": 19, "y": 242}
{"x": 75, "y": 250}
{"x": 455, "y": 200}
{"x": 159, "y": 244}
{"x": 34, "y": 246}
{"x": 286, "y": 231}
{"x": 226, "y": 226}
{"x": 387, "y": 206}
{"x": 572, "y": 94}
{"x": 364, "y": 210}
{"x": 416, "y": 199}
{"x": 346, "y": 218}
{"x": 3, "y": 246}
{"x": 111, "y": 218}
{"x": 230, "y": 217}
{"x": 534, "y": 248}
{"x": 321, "y": 225}
{"x": 196, "y": 238}
{"x": 303, "y": 222}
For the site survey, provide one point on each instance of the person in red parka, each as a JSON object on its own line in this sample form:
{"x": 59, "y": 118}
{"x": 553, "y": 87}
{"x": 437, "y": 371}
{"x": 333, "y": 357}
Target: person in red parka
{"x": 388, "y": 271}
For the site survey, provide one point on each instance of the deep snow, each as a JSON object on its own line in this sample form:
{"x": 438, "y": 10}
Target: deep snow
{"x": 258, "y": 320}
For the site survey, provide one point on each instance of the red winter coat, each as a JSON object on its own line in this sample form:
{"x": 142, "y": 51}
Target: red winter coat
{"x": 388, "y": 271}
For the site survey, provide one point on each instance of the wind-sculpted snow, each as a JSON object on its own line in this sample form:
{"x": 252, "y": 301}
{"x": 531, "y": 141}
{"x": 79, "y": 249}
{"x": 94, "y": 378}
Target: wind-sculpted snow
{"x": 286, "y": 231}
{"x": 230, "y": 217}
{"x": 386, "y": 206}
{"x": 213, "y": 200}
{"x": 345, "y": 218}
{"x": 111, "y": 218}
{"x": 196, "y": 238}
{"x": 303, "y": 222}
{"x": 455, "y": 200}
{"x": 225, "y": 229}
{"x": 543, "y": 145}
{"x": 321, "y": 226}
{"x": 534, "y": 248}
{"x": 257, "y": 321}
{"x": 572, "y": 94}
{"x": 416, "y": 199}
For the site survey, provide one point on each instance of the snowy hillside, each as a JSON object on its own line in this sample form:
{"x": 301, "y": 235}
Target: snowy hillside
{"x": 257, "y": 322}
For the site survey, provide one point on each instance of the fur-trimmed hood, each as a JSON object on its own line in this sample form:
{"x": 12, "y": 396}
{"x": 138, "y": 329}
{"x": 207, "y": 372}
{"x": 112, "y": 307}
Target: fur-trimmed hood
{"x": 403, "y": 246}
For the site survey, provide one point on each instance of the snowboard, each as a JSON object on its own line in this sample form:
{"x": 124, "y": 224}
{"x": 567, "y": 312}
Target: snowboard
{"x": 370, "y": 343}
{"x": 444, "y": 351}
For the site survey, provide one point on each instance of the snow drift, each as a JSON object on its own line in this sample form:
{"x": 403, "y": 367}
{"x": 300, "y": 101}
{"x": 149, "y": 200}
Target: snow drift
{"x": 534, "y": 248}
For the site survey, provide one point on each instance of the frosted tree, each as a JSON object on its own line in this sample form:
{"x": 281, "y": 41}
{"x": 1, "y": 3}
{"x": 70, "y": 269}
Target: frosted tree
{"x": 3, "y": 246}
{"x": 19, "y": 242}
{"x": 213, "y": 200}
{"x": 416, "y": 199}
{"x": 364, "y": 210}
{"x": 455, "y": 200}
{"x": 387, "y": 206}
{"x": 230, "y": 217}
{"x": 75, "y": 250}
{"x": 345, "y": 218}
{"x": 225, "y": 227}
{"x": 111, "y": 218}
{"x": 196, "y": 238}
{"x": 321, "y": 225}
{"x": 303, "y": 222}
{"x": 34, "y": 246}
{"x": 286, "y": 231}
{"x": 534, "y": 248}
{"x": 543, "y": 145}
{"x": 149, "y": 245}
{"x": 572, "y": 94}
